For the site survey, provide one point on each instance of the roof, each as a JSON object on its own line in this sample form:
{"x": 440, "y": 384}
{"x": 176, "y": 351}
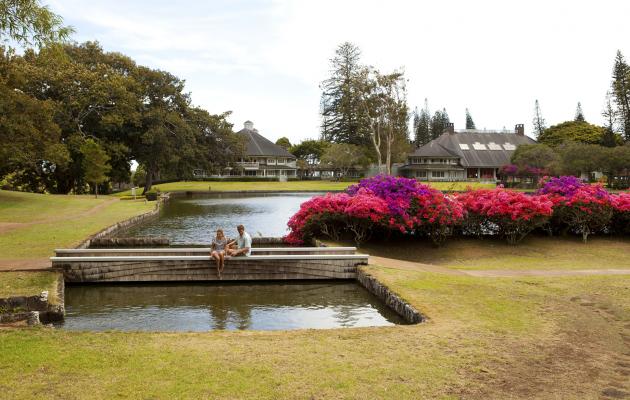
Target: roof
{"x": 476, "y": 148}
{"x": 258, "y": 145}
{"x": 433, "y": 149}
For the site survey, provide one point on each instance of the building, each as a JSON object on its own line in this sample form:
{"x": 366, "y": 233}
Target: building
{"x": 462, "y": 155}
{"x": 263, "y": 158}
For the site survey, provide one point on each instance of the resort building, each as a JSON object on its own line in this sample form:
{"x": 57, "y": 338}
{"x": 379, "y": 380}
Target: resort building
{"x": 468, "y": 154}
{"x": 263, "y": 158}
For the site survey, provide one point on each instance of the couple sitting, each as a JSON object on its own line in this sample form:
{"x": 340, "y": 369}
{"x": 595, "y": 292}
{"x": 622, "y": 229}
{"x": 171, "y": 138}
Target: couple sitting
{"x": 221, "y": 248}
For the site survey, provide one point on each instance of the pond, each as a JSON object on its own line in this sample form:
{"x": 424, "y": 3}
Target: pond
{"x": 194, "y": 219}
{"x": 205, "y": 306}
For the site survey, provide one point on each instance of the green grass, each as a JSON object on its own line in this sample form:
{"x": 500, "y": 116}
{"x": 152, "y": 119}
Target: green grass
{"x": 533, "y": 253}
{"x": 27, "y": 283}
{"x": 288, "y": 186}
{"x": 486, "y": 338}
{"x": 42, "y": 223}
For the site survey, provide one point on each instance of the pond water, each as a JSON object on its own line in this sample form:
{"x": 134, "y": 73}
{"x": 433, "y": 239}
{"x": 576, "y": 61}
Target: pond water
{"x": 195, "y": 219}
{"x": 205, "y": 306}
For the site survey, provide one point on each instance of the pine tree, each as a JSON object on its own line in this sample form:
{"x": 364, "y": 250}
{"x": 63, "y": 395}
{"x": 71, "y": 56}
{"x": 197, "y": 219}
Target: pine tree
{"x": 422, "y": 125}
{"x": 621, "y": 93}
{"x": 439, "y": 122}
{"x": 341, "y": 122}
{"x": 609, "y": 114}
{"x": 539, "y": 121}
{"x": 579, "y": 114}
{"x": 470, "y": 124}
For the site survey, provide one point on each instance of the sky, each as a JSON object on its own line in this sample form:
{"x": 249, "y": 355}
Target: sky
{"x": 264, "y": 60}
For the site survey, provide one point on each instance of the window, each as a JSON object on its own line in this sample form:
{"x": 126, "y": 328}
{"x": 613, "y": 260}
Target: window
{"x": 271, "y": 161}
{"x": 509, "y": 146}
{"x": 280, "y": 160}
{"x": 421, "y": 174}
{"x": 464, "y": 146}
{"x": 494, "y": 146}
{"x": 437, "y": 174}
{"x": 479, "y": 146}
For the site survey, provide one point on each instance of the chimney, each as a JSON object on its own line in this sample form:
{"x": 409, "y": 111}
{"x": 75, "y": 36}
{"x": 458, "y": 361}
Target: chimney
{"x": 450, "y": 128}
{"x": 520, "y": 129}
{"x": 249, "y": 125}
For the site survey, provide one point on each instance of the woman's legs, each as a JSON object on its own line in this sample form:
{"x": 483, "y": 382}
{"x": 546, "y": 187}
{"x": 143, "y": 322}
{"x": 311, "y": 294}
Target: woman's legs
{"x": 222, "y": 258}
{"x": 216, "y": 256}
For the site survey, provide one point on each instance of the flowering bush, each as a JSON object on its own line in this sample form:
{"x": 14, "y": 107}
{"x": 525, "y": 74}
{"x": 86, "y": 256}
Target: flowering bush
{"x": 562, "y": 186}
{"x": 435, "y": 215}
{"x": 507, "y": 213}
{"x": 319, "y": 215}
{"x": 585, "y": 209}
{"x": 620, "y": 222}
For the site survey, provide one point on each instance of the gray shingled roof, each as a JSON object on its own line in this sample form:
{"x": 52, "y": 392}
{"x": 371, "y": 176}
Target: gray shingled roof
{"x": 434, "y": 149}
{"x": 475, "y": 157}
{"x": 258, "y": 145}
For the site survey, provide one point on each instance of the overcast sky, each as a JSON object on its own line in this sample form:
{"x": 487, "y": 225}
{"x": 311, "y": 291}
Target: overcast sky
{"x": 264, "y": 60}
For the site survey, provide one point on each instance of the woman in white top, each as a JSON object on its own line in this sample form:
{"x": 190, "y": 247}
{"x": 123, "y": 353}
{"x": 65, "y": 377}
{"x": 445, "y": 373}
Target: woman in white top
{"x": 217, "y": 251}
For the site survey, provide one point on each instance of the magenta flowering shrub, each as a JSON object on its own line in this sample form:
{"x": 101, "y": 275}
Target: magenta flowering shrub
{"x": 584, "y": 210}
{"x": 620, "y": 222}
{"x": 561, "y": 186}
{"x": 503, "y": 212}
{"x": 436, "y": 215}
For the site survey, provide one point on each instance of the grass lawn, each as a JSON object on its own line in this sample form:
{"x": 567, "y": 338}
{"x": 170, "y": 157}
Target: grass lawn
{"x": 28, "y": 284}
{"x": 33, "y": 225}
{"x": 500, "y": 338}
{"x": 287, "y": 186}
{"x": 534, "y": 252}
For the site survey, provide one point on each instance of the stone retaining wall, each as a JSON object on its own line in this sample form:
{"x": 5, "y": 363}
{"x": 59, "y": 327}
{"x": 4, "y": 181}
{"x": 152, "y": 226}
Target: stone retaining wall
{"x": 126, "y": 224}
{"x": 392, "y": 300}
{"x": 33, "y": 309}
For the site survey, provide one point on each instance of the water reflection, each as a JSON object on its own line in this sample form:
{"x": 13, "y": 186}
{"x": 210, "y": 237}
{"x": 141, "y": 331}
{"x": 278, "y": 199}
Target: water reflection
{"x": 201, "y": 307}
{"x": 195, "y": 219}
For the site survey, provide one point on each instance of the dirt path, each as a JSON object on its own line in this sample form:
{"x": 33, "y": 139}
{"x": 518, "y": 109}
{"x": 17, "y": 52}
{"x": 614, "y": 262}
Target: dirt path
{"x": 413, "y": 266}
{"x": 8, "y": 226}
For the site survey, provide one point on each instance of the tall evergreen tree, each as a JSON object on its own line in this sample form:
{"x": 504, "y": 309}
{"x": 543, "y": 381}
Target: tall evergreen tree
{"x": 422, "y": 125}
{"x": 609, "y": 114}
{"x": 621, "y": 93}
{"x": 341, "y": 117}
{"x": 470, "y": 124}
{"x": 539, "y": 121}
{"x": 579, "y": 114}
{"x": 439, "y": 122}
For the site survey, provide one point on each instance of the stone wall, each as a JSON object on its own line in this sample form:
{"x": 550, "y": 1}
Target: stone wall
{"x": 33, "y": 309}
{"x": 392, "y": 300}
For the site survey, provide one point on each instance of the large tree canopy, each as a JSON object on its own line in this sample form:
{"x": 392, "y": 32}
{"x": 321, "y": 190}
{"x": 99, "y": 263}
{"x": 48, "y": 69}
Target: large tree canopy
{"x": 572, "y": 131}
{"x": 28, "y": 22}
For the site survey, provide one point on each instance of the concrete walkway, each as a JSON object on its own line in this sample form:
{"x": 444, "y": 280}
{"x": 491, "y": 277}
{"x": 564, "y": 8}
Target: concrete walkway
{"x": 498, "y": 273}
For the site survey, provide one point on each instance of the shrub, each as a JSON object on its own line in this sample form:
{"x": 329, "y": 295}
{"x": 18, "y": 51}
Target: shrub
{"x": 584, "y": 211}
{"x": 620, "y": 222}
{"x": 151, "y": 195}
{"x": 319, "y": 215}
{"x": 435, "y": 215}
{"x": 509, "y": 214}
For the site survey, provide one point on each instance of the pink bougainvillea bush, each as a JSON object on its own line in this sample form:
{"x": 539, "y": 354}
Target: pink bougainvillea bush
{"x": 435, "y": 215}
{"x": 620, "y": 222}
{"x": 587, "y": 209}
{"x": 503, "y": 212}
{"x": 333, "y": 215}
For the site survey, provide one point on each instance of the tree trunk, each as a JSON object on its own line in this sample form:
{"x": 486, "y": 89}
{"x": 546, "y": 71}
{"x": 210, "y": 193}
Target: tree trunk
{"x": 148, "y": 183}
{"x": 96, "y": 190}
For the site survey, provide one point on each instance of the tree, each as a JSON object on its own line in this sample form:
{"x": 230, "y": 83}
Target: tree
{"x": 422, "y": 125}
{"x": 341, "y": 117}
{"x": 343, "y": 156}
{"x": 536, "y": 156}
{"x": 94, "y": 163}
{"x": 576, "y": 131}
{"x": 610, "y": 138}
{"x": 578, "y": 158}
{"x": 579, "y": 114}
{"x": 308, "y": 153}
{"x": 539, "y": 121}
{"x": 621, "y": 93}
{"x": 470, "y": 124}
{"x": 383, "y": 99}
{"x": 28, "y": 23}
{"x": 439, "y": 122}
{"x": 284, "y": 143}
